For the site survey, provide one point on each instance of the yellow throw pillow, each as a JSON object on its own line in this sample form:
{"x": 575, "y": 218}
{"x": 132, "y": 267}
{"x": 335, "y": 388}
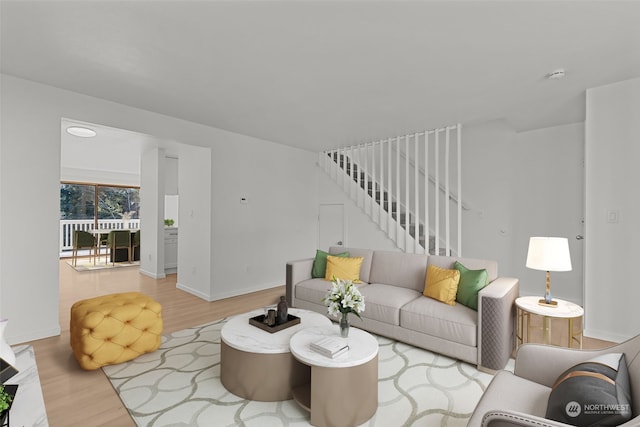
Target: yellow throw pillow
{"x": 441, "y": 284}
{"x": 344, "y": 268}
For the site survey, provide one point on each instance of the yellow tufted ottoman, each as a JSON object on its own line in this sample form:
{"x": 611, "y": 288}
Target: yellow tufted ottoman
{"x": 114, "y": 328}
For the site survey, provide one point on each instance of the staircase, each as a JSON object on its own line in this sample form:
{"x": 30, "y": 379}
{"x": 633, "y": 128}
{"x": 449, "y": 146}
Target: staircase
{"x": 390, "y": 181}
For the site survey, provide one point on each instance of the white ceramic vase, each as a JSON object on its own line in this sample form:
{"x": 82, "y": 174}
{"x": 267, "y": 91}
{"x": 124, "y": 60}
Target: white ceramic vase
{"x": 6, "y": 352}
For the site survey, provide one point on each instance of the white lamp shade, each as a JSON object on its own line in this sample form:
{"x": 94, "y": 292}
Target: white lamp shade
{"x": 549, "y": 254}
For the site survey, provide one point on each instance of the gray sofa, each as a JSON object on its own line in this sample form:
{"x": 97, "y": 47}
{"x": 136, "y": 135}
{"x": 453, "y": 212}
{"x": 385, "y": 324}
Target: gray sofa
{"x": 396, "y": 308}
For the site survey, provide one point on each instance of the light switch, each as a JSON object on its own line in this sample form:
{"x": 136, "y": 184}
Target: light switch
{"x": 244, "y": 200}
{"x": 613, "y": 217}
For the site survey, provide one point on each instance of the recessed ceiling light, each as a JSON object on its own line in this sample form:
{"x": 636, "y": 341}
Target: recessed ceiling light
{"x": 81, "y": 132}
{"x": 557, "y": 74}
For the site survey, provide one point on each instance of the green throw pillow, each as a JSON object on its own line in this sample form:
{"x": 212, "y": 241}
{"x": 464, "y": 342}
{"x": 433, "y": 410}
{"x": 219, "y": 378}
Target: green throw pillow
{"x": 471, "y": 281}
{"x": 320, "y": 263}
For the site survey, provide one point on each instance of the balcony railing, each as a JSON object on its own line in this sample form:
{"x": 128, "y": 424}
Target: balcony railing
{"x": 68, "y": 226}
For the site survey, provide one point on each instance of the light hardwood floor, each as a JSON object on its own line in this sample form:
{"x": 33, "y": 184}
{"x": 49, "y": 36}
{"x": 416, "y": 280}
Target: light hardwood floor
{"x": 74, "y": 397}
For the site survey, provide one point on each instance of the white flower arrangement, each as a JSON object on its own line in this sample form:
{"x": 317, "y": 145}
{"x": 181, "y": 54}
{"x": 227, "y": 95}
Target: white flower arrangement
{"x": 344, "y": 297}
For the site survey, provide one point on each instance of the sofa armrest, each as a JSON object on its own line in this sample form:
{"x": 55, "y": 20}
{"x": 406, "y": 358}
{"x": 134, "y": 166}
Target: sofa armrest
{"x": 532, "y": 361}
{"x": 496, "y": 322}
{"x": 506, "y": 418}
{"x": 297, "y": 271}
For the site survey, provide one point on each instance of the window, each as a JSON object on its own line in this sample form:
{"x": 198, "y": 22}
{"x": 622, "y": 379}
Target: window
{"x": 117, "y": 207}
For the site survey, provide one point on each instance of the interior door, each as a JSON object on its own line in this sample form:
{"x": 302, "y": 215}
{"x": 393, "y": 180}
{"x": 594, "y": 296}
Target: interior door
{"x": 330, "y": 226}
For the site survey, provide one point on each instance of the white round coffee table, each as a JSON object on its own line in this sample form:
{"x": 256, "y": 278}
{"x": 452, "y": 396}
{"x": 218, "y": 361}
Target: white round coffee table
{"x": 342, "y": 391}
{"x": 256, "y": 364}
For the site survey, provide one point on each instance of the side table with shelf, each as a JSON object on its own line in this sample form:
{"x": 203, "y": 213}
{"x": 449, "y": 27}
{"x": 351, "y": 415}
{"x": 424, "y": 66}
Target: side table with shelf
{"x": 528, "y": 306}
{"x": 342, "y": 391}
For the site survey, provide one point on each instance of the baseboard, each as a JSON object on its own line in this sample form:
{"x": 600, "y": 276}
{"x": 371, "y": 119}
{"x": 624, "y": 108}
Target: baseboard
{"x": 195, "y": 292}
{"x": 37, "y": 335}
{"x": 235, "y": 293}
{"x": 152, "y": 275}
{"x": 606, "y": 336}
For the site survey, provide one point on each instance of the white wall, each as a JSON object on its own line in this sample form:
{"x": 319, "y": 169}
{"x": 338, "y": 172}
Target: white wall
{"x": 612, "y": 249}
{"x": 29, "y": 210}
{"x": 83, "y": 160}
{"x": 488, "y": 173}
{"x": 171, "y": 182}
{"x": 100, "y": 177}
{"x": 549, "y": 201}
{"x": 171, "y": 205}
{"x": 278, "y": 225}
{"x": 518, "y": 186}
{"x": 195, "y": 239}
{"x": 254, "y": 240}
{"x": 152, "y": 177}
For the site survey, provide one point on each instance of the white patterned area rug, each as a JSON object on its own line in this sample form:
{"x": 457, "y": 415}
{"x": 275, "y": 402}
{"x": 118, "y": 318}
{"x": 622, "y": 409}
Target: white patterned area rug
{"x": 179, "y": 385}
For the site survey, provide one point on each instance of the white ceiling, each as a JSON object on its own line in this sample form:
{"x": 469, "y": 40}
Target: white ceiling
{"x": 318, "y": 74}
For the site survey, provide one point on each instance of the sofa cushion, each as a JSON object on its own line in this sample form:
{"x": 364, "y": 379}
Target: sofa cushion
{"x": 454, "y": 323}
{"x": 320, "y": 263}
{"x": 596, "y": 392}
{"x": 383, "y": 302}
{"x": 471, "y": 282}
{"x": 343, "y": 268}
{"x": 399, "y": 269}
{"x": 312, "y": 290}
{"x": 441, "y": 284}
{"x": 367, "y": 257}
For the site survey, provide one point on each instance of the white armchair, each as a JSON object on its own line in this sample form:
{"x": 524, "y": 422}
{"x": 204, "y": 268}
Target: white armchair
{"x": 520, "y": 398}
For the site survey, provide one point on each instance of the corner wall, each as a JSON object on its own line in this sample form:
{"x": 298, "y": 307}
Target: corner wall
{"x": 549, "y": 199}
{"x": 194, "y": 209}
{"x": 612, "y": 211}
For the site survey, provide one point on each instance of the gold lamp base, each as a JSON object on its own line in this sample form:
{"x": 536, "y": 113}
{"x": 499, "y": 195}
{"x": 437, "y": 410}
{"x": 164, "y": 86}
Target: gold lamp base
{"x": 547, "y": 301}
{"x": 544, "y": 302}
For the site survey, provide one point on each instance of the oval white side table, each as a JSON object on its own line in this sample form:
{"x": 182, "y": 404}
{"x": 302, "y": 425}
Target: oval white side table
{"x": 564, "y": 310}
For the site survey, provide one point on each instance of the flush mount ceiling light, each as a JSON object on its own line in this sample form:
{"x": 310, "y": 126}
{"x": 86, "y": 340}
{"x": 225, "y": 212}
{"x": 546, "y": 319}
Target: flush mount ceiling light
{"x": 557, "y": 74}
{"x": 80, "y": 131}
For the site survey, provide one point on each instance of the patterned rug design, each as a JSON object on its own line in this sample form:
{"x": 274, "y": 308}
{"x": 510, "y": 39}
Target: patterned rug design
{"x": 179, "y": 385}
{"x": 86, "y": 264}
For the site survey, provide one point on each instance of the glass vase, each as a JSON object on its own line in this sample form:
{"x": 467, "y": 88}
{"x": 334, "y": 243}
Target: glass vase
{"x": 344, "y": 325}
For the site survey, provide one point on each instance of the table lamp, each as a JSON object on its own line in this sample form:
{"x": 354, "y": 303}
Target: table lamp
{"x": 549, "y": 254}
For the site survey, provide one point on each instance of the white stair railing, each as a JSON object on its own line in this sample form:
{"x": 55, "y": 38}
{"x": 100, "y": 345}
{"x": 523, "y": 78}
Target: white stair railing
{"x": 406, "y": 186}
